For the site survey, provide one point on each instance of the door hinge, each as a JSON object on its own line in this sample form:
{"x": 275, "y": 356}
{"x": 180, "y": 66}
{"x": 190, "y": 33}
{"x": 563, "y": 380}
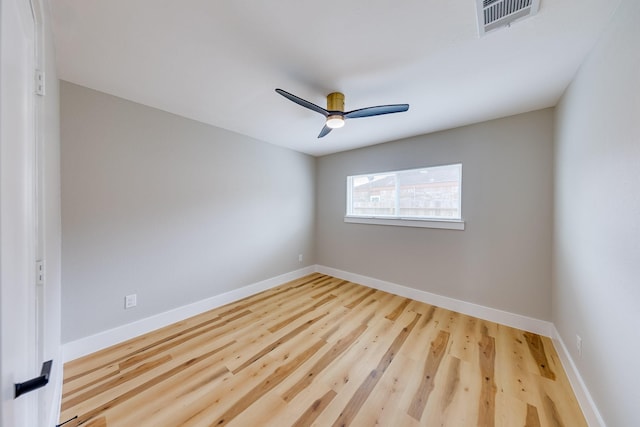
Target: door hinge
{"x": 39, "y": 82}
{"x": 40, "y": 272}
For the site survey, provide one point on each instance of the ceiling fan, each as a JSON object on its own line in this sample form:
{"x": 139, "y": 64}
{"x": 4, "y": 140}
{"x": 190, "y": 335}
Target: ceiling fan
{"x": 335, "y": 113}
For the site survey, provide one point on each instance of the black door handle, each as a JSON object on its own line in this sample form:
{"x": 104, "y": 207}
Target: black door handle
{"x": 35, "y": 383}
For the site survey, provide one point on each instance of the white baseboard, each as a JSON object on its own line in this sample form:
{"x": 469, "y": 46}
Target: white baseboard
{"x": 84, "y": 346}
{"x": 530, "y": 324}
{"x": 588, "y": 406}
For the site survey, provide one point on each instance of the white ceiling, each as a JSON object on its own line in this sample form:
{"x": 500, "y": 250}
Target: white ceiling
{"x": 219, "y": 62}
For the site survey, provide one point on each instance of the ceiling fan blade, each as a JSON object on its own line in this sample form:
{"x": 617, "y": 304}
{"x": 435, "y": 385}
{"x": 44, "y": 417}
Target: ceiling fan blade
{"x": 325, "y": 130}
{"x": 376, "y": 111}
{"x": 303, "y": 102}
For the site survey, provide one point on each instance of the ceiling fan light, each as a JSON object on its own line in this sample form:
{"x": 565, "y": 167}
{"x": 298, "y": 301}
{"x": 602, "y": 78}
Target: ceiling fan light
{"x": 335, "y": 121}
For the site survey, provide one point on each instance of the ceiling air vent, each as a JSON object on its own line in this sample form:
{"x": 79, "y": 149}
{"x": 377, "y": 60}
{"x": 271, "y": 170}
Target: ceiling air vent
{"x": 494, "y": 14}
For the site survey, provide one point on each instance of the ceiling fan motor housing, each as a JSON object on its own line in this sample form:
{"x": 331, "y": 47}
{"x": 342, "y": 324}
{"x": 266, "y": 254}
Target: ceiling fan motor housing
{"x": 335, "y": 101}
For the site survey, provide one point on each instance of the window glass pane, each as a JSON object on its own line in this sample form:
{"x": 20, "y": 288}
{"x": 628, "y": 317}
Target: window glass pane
{"x": 374, "y": 195}
{"x": 429, "y": 193}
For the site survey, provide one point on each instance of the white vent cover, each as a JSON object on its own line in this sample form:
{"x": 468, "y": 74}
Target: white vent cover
{"x": 494, "y": 14}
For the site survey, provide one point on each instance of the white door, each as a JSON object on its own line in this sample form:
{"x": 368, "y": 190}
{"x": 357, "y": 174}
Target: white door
{"x": 18, "y": 348}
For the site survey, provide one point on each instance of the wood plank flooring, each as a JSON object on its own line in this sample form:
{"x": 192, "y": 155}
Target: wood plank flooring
{"x": 324, "y": 352}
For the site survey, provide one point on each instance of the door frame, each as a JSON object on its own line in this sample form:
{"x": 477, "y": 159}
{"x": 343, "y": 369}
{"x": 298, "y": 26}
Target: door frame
{"x": 28, "y": 409}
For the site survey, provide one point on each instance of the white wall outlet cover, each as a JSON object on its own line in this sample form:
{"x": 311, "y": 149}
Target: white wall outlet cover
{"x": 130, "y": 301}
{"x": 579, "y": 344}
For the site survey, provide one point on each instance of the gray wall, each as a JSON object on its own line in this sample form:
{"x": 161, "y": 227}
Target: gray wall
{"x": 503, "y": 257}
{"x": 170, "y": 209}
{"x": 597, "y": 209}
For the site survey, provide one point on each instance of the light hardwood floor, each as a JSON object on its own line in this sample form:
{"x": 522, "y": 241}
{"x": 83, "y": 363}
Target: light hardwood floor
{"x": 325, "y": 352}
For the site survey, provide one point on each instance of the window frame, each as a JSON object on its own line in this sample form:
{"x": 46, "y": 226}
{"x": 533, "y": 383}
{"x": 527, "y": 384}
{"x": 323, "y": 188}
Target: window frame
{"x": 421, "y": 222}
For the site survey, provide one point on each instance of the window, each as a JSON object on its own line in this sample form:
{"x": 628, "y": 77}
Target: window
{"x": 425, "y": 197}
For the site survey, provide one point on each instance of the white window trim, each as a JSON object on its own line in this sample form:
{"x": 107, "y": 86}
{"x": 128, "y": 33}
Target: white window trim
{"x": 407, "y": 222}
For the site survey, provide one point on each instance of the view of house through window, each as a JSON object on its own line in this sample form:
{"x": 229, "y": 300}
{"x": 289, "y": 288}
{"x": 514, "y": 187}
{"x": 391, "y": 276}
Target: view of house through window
{"x": 433, "y": 193}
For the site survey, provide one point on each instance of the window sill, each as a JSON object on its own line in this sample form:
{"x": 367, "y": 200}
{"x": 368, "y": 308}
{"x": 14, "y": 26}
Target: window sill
{"x": 405, "y": 222}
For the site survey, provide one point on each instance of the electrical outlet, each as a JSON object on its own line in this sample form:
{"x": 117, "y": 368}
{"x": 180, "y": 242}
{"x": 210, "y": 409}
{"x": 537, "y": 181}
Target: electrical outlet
{"x": 300, "y": 258}
{"x": 579, "y": 345}
{"x": 130, "y": 301}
